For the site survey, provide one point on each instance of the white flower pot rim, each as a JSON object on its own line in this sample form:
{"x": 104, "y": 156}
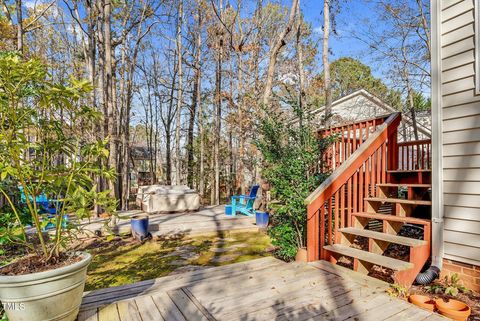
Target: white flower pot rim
{"x": 61, "y": 272}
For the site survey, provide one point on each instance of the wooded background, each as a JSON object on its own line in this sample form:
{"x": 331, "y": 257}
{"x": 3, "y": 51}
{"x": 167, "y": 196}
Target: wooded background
{"x": 186, "y": 81}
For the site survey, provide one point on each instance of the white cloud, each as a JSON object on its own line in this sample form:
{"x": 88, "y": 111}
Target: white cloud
{"x": 32, "y": 4}
{"x": 318, "y": 29}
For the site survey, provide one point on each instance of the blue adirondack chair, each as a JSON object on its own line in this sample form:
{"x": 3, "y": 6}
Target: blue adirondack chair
{"x": 47, "y": 207}
{"x": 243, "y": 203}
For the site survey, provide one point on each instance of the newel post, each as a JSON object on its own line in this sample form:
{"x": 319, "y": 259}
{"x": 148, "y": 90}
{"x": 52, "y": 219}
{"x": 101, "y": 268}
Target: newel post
{"x": 313, "y": 233}
{"x": 393, "y": 150}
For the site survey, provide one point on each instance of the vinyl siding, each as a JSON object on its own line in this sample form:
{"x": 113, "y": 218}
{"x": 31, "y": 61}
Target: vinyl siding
{"x": 460, "y": 133}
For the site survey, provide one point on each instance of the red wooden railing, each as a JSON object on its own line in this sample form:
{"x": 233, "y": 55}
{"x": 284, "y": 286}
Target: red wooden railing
{"x": 349, "y": 138}
{"x": 330, "y": 205}
{"x": 414, "y": 155}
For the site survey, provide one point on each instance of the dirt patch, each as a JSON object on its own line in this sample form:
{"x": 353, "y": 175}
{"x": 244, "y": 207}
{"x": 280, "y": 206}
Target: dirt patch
{"x": 36, "y": 263}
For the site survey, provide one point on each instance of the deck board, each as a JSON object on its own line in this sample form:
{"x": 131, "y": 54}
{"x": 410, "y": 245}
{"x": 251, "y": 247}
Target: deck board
{"x": 168, "y": 309}
{"x": 128, "y": 311}
{"x": 263, "y": 289}
{"x": 189, "y": 309}
{"x": 147, "y": 308}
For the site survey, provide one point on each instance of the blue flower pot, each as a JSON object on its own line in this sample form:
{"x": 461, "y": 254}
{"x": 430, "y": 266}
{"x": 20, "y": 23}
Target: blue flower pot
{"x": 262, "y": 219}
{"x": 228, "y": 210}
{"x": 139, "y": 224}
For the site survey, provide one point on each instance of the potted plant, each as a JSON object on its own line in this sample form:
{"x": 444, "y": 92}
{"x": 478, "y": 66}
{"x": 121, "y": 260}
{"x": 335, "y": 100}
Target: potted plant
{"x": 49, "y": 149}
{"x": 262, "y": 217}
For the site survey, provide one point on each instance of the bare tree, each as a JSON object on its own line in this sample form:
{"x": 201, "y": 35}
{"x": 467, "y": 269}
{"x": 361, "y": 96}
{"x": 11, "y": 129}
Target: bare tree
{"x": 196, "y": 96}
{"x": 178, "y": 125}
{"x": 326, "y": 64}
{"x": 278, "y": 44}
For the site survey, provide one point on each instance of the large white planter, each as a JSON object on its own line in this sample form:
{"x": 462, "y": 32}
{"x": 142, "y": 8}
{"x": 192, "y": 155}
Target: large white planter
{"x": 50, "y": 295}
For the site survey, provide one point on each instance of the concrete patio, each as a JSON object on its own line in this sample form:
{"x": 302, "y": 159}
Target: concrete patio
{"x": 209, "y": 219}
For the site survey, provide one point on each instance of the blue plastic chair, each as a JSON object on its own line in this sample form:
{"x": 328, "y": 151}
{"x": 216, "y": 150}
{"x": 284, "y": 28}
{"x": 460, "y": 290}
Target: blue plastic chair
{"x": 243, "y": 203}
{"x": 47, "y": 207}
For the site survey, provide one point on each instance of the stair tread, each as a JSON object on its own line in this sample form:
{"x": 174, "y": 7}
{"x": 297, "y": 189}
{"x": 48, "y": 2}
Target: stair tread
{"x": 404, "y": 184}
{"x": 398, "y": 200}
{"x": 387, "y": 217}
{"x": 409, "y": 171}
{"x": 384, "y": 237}
{"x": 377, "y": 259}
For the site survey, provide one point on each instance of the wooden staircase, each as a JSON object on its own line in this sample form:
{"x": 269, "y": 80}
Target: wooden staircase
{"x": 371, "y": 196}
{"x": 404, "y": 272}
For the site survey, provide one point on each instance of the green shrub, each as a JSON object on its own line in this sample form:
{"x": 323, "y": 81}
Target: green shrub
{"x": 450, "y": 286}
{"x": 48, "y": 145}
{"x": 291, "y": 165}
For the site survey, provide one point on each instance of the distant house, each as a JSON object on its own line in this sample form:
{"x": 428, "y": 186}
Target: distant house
{"x": 140, "y": 174}
{"x": 362, "y": 105}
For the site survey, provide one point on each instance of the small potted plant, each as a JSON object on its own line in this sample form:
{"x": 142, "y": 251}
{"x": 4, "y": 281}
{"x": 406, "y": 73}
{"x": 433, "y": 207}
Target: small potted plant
{"x": 48, "y": 147}
{"x": 262, "y": 217}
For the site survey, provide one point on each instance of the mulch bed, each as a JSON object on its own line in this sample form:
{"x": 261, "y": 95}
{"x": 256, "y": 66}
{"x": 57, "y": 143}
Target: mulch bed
{"x": 36, "y": 263}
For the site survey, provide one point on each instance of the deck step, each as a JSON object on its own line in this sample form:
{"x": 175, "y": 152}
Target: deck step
{"x": 388, "y": 262}
{"x": 397, "y": 171}
{"x": 384, "y": 237}
{"x": 397, "y": 200}
{"x": 386, "y": 217}
{"x": 405, "y": 185}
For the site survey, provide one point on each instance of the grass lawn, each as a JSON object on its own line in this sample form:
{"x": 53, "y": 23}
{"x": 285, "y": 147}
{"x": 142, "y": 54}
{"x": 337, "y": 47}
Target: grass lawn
{"x": 123, "y": 260}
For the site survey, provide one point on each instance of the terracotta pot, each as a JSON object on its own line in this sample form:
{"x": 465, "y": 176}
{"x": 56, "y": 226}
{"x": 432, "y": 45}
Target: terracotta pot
{"x": 453, "y": 309}
{"x": 422, "y": 301}
{"x": 301, "y": 255}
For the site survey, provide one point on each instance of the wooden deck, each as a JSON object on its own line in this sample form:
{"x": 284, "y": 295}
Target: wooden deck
{"x": 263, "y": 289}
{"x": 210, "y": 219}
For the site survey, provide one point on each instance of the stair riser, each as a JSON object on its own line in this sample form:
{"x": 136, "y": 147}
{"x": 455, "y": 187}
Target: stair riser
{"x": 412, "y": 193}
{"x": 418, "y": 256}
{"x": 409, "y": 178}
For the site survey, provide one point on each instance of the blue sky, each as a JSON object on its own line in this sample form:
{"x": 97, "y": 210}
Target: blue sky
{"x": 352, "y": 16}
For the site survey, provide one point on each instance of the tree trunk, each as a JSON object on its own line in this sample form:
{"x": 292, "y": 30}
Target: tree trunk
{"x": 218, "y": 117}
{"x": 168, "y": 133}
{"x": 326, "y": 64}
{"x": 18, "y": 4}
{"x": 412, "y": 110}
{"x": 277, "y": 45}
{"x": 301, "y": 71}
{"x": 178, "y": 163}
{"x": 240, "y": 175}
{"x": 196, "y": 97}
{"x": 108, "y": 93}
{"x": 218, "y": 124}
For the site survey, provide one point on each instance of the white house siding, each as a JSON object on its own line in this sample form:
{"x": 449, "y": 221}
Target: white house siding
{"x": 460, "y": 133}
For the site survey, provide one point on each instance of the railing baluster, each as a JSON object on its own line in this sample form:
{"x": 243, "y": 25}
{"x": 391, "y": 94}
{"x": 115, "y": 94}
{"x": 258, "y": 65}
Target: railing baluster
{"x": 322, "y": 228}
{"x": 336, "y": 219}
{"x": 360, "y": 189}
{"x": 329, "y": 221}
{"x": 349, "y": 200}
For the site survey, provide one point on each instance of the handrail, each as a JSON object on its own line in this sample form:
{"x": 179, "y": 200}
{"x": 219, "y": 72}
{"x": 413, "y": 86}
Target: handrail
{"x": 379, "y": 120}
{"x": 350, "y": 137}
{"x": 366, "y": 166}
